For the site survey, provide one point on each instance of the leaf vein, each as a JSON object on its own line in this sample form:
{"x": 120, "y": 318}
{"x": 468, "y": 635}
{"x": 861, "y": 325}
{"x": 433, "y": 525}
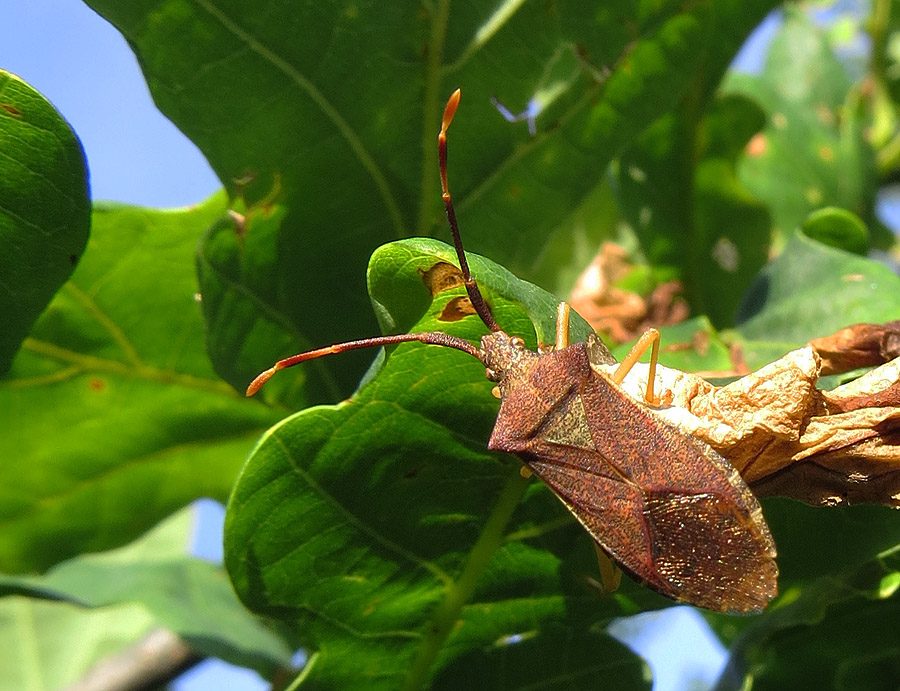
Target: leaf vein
{"x": 318, "y": 98}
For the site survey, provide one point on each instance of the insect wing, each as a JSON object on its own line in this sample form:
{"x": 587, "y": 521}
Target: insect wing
{"x": 664, "y": 505}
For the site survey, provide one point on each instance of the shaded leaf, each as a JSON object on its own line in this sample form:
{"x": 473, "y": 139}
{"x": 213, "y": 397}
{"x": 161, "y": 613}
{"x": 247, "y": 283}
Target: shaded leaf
{"x": 188, "y": 596}
{"x": 51, "y": 645}
{"x": 146, "y": 427}
{"x": 586, "y": 661}
{"x": 813, "y": 152}
{"x": 695, "y": 221}
{"x": 834, "y": 636}
{"x": 44, "y": 208}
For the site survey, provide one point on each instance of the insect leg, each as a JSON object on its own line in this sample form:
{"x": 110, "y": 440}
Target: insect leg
{"x": 562, "y": 326}
{"x": 610, "y": 573}
{"x": 648, "y": 339}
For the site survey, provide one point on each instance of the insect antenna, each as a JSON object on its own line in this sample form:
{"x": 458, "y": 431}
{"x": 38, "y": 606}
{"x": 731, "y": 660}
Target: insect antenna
{"x": 428, "y": 337}
{"x": 478, "y": 302}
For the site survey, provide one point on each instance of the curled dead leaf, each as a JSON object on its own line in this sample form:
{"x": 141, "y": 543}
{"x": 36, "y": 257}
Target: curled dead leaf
{"x": 787, "y": 437}
{"x": 860, "y": 345}
{"x": 622, "y": 314}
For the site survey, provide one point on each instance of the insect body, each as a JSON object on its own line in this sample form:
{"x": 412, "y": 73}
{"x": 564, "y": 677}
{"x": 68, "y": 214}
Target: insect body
{"x": 665, "y": 506}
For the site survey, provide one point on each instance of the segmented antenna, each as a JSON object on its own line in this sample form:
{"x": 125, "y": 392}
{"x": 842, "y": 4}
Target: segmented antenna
{"x": 429, "y": 337}
{"x": 478, "y": 302}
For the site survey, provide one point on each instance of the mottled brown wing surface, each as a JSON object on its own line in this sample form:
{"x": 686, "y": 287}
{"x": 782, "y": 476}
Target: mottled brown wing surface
{"x": 664, "y": 505}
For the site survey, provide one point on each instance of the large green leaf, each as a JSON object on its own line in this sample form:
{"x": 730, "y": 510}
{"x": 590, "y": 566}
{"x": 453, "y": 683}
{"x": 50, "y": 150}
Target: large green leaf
{"x": 332, "y": 110}
{"x": 188, "y": 596}
{"x": 390, "y": 539}
{"x": 44, "y": 208}
{"x": 111, "y": 417}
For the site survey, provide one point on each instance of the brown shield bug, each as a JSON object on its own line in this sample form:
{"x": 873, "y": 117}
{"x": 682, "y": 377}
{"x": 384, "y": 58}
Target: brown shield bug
{"x": 665, "y": 506}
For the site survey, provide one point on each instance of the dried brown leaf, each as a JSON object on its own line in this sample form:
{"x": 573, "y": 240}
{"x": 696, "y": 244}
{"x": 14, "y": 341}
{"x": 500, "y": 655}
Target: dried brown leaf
{"x": 622, "y": 314}
{"x": 860, "y": 345}
{"x": 787, "y": 437}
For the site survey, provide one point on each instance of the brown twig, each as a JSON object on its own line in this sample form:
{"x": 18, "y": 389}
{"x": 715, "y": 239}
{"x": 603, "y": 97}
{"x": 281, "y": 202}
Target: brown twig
{"x": 151, "y": 663}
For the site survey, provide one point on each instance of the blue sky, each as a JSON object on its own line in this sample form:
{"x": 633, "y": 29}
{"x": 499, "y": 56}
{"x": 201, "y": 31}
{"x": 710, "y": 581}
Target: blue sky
{"x": 137, "y": 156}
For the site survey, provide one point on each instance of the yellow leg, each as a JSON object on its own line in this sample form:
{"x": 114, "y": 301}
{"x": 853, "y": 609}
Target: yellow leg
{"x": 610, "y": 574}
{"x": 562, "y": 326}
{"x": 650, "y": 338}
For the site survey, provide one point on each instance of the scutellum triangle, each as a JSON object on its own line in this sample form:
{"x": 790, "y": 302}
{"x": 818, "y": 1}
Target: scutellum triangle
{"x": 665, "y": 506}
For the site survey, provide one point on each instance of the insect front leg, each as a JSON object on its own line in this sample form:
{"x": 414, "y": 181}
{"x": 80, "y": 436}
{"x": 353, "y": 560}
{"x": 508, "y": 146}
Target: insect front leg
{"x": 562, "y": 326}
{"x": 649, "y": 339}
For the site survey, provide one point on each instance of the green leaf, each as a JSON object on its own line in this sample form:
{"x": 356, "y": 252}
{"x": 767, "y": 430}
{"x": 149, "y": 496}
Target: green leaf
{"x": 190, "y": 597}
{"x": 111, "y": 417}
{"x": 588, "y": 661}
{"x": 678, "y": 186}
{"x": 377, "y": 529}
{"x": 52, "y": 645}
{"x": 837, "y": 228}
{"x": 44, "y": 208}
{"x": 333, "y": 111}
{"x": 834, "y": 636}
{"x": 813, "y": 152}
{"x": 812, "y": 290}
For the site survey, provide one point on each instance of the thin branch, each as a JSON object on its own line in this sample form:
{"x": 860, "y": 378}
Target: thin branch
{"x": 157, "y": 659}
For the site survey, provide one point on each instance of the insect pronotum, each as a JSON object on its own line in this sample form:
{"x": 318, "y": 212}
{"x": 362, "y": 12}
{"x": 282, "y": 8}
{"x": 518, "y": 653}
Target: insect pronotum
{"x": 665, "y": 506}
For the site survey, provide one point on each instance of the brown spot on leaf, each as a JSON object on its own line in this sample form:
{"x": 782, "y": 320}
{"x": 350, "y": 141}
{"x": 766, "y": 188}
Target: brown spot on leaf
{"x": 11, "y": 109}
{"x": 97, "y": 385}
{"x": 456, "y": 309}
{"x": 440, "y": 277}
